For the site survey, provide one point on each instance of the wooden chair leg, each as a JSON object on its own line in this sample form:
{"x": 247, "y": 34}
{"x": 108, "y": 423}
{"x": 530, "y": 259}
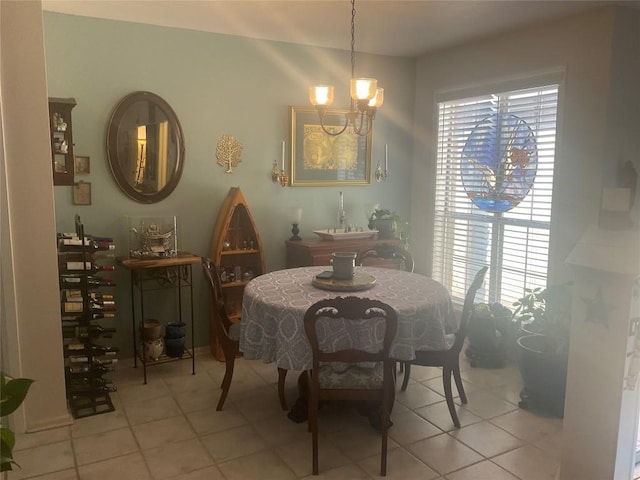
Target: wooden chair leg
{"x": 458, "y": 379}
{"x": 226, "y": 381}
{"x": 407, "y": 374}
{"x": 446, "y": 380}
{"x": 282, "y": 375}
{"x": 313, "y": 424}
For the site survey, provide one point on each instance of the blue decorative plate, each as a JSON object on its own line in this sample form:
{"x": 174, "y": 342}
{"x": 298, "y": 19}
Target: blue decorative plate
{"x": 499, "y": 162}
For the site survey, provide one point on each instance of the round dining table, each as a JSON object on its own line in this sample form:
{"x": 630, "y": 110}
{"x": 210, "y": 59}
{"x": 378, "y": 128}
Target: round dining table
{"x": 274, "y": 305}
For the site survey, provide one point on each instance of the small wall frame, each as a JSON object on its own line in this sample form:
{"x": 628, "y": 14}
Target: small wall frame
{"x": 82, "y": 165}
{"x": 82, "y": 193}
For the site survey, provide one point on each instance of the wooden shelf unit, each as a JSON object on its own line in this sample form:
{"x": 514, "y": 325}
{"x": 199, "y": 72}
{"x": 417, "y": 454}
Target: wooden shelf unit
{"x": 236, "y": 248}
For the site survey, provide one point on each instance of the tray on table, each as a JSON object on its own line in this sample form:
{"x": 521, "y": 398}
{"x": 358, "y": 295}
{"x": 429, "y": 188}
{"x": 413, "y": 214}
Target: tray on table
{"x": 360, "y": 281}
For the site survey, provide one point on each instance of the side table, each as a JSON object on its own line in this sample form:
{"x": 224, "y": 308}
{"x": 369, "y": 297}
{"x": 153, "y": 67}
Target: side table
{"x": 157, "y": 274}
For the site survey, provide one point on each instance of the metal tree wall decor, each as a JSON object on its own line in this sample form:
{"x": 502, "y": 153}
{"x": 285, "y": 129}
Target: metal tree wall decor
{"x": 499, "y": 162}
{"x": 228, "y": 152}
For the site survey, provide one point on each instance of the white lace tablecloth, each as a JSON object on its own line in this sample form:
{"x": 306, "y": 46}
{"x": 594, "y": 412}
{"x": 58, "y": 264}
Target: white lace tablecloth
{"x": 274, "y": 305}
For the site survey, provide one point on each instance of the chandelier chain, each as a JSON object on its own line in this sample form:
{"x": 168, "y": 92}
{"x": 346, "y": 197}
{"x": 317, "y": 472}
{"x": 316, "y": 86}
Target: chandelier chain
{"x": 353, "y": 38}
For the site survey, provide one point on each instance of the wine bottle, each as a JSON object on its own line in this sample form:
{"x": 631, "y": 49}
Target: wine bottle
{"x": 79, "y": 360}
{"x": 87, "y": 267}
{"x": 75, "y": 295}
{"x": 91, "y": 368}
{"x": 90, "y": 245}
{"x": 92, "y": 307}
{"x": 80, "y": 390}
{"x": 71, "y": 281}
{"x": 89, "y": 349}
{"x": 73, "y": 319}
{"x": 87, "y": 379}
{"x": 91, "y": 331}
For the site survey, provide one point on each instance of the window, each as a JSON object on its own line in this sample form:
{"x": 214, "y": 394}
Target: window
{"x": 494, "y": 178}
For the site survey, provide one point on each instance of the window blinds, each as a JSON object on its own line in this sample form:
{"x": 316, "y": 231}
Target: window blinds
{"x": 493, "y": 128}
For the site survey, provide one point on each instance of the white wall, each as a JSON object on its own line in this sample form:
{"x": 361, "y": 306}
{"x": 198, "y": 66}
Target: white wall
{"x": 32, "y": 341}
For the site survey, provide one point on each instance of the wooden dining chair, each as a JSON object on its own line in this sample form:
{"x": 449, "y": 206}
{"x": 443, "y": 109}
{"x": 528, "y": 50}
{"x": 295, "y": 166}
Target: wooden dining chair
{"x": 352, "y": 381}
{"x": 228, "y": 334}
{"x": 387, "y": 252}
{"x": 449, "y": 359}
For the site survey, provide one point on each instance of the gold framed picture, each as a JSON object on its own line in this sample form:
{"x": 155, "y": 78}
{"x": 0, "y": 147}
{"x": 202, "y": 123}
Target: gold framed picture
{"x": 320, "y": 159}
{"x": 82, "y": 193}
{"x": 81, "y": 165}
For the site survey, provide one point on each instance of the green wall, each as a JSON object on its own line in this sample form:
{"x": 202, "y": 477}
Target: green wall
{"x": 216, "y": 84}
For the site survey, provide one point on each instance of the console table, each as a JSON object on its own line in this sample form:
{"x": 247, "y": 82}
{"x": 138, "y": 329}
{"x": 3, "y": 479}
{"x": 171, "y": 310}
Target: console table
{"x": 315, "y": 251}
{"x": 157, "y": 274}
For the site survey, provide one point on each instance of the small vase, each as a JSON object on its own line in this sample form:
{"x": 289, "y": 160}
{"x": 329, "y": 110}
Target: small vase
{"x": 174, "y": 346}
{"x": 153, "y": 349}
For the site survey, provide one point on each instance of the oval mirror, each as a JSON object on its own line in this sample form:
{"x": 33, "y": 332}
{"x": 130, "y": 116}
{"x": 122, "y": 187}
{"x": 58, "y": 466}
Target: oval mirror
{"x": 145, "y": 147}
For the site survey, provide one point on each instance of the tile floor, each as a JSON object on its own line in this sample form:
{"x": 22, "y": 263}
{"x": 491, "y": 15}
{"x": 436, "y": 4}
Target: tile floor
{"x": 169, "y": 429}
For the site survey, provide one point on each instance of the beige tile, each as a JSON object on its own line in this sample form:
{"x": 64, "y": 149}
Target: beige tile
{"x": 480, "y": 471}
{"x": 264, "y": 465}
{"x": 207, "y": 473}
{"x": 489, "y": 377}
{"x": 233, "y": 443}
{"x": 420, "y": 374}
{"x": 211, "y": 420}
{"x": 527, "y": 426}
{"x": 350, "y": 471}
{"x": 137, "y": 392}
{"x": 99, "y": 423}
{"x": 436, "y": 385}
{"x": 184, "y": 382}
{"x": 529, "y": 463}
{"x": 44, "y": 437}
{"x": 401, "y": 465}
{"x": 278, "y": 430}
{"x": 487, "y": 439}
{"x": 101, "y": 446}
{"x": 510, "y": 393}
{"x": 177, "y": 458}
{"x": 438, "y": 414}
{"x": 160, "y": 432}
{"x": 264, "y": 395}
{"x": 485, "y": 405}
{"x": 359, "y": 441}
{"x": 200, "y": 397}
{"x": 444, "y": 453}
{"x": 152, "y": 409}
{"x": 43, "y": 459}
{"x": 298, "y": 456}
{"x": 409, "y": 427}
{"x": 417, "y": 395}
{"x": 127, "y": 467}
{"x": 552, "y": 444}
{"x": 69, "y": 474}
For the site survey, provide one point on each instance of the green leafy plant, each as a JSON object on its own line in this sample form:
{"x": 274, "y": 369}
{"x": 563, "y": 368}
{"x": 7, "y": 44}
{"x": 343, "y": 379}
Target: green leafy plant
{"x": 12, "y": 393}
{"x": 546, "y": 311}
{"x": 399, "y": 225}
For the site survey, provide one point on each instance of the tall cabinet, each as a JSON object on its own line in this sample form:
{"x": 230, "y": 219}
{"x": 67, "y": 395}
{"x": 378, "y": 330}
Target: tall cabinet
{"x": 236, "y": 250}
{"x": 61, "y": 128}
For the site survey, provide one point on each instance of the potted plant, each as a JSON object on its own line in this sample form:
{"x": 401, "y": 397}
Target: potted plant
{"x": 387, "y": 223}
{"x": 543, "y": 317}
{"x": 488, "y": 335}
{"x": 12, "y": 393}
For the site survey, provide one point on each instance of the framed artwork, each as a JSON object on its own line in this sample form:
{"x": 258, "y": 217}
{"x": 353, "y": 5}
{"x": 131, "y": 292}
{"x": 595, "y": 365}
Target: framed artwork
{"x": 82, "y": 165}
{"x": 82, "y": 193}
{"x": 319, "y": 159}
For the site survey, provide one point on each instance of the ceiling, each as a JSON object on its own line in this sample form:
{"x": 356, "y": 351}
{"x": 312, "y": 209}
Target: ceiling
{"x": 391, "y": 27}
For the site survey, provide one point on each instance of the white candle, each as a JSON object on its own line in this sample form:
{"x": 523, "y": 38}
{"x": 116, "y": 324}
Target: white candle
{"x": 341, "y": 202}
{"x": 282, "y": 154}
{"x": 386, "y": 160}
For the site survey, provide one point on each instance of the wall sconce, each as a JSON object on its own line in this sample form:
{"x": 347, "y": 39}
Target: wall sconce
{"x": 382, "y": 175}
{"x": 296, "y": 216}
{"x": 280, "y": 175}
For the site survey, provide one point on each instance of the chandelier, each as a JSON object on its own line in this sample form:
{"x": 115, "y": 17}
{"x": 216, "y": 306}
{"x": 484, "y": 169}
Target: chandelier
{"x": 366, "y": 97}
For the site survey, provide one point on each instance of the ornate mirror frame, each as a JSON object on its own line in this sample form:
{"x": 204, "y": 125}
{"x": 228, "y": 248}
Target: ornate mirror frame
{"x": 119, "y": 131}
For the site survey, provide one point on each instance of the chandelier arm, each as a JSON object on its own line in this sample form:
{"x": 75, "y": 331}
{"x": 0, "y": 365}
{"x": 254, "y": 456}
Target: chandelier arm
{"x": 333, "y": 134}
{"x": 358, "y": 125}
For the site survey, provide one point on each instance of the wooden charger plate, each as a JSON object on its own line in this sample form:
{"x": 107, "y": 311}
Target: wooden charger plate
{"x": 360, "y": 281}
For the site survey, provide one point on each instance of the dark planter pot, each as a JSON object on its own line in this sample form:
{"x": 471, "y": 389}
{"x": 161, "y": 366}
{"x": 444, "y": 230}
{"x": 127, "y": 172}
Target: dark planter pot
{"x": 487, "y": 345}
{"x": 544, "y": 374}
{"x": 385, "y": 227}
{"x": 174, "y": 347}
{"x": 175, "y": 330}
